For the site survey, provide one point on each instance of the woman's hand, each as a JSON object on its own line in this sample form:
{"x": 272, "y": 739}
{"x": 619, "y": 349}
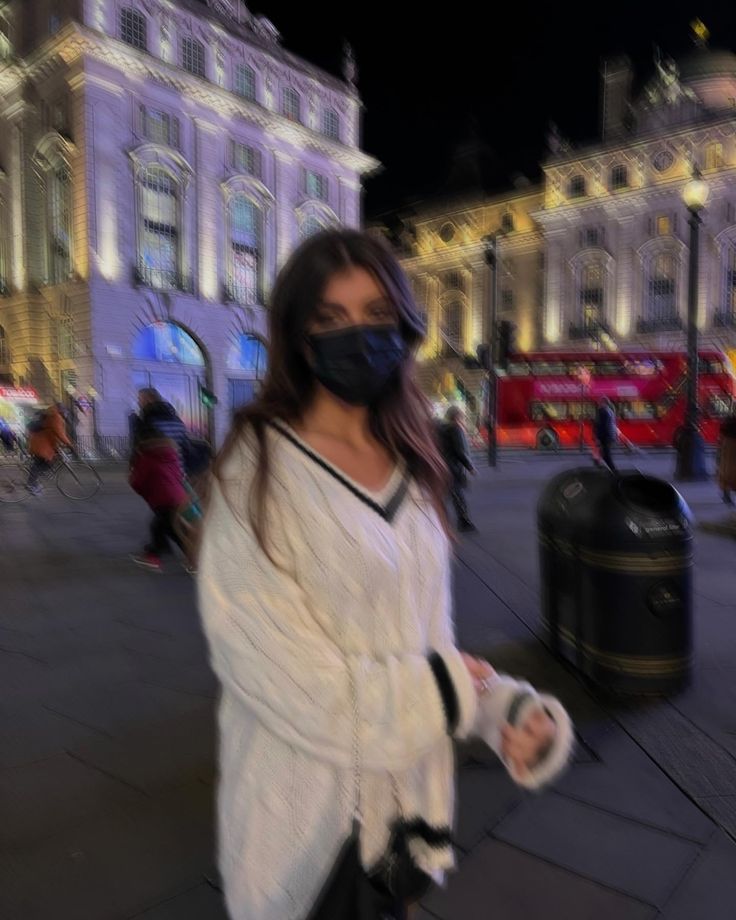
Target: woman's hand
{"x": 524, "y": 747}
{"x": 479, "y": 670}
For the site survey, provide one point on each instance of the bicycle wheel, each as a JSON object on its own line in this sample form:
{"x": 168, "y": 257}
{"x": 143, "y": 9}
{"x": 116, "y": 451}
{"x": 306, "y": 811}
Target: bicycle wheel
{"x": 13, "y": 478}
{"x": 77, "y": 480}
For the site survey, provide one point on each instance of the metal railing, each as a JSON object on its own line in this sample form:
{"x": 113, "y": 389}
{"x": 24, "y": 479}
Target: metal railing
{"x": 161, "y": 279}
{"x": 589, "y": 329}
{"x": 661, "y": 324}
{"x": 103, "y": 447}
{"x": 244, "y": 294}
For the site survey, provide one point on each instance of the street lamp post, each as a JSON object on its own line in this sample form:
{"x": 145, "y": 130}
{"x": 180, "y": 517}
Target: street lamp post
{"x": 691, "y": 466}
{"x": 491, "y": 258}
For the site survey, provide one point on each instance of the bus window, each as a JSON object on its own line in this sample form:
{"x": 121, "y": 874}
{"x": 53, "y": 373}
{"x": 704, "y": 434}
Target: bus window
{"x": 608, "y": 369}
{"x": 720, "y": 405}
{"x": 637, "y": 409}
{"x": 582, "y": 411}
{"x": 710, "y": 366}
{"x": 548, "y": 412}
{"x": 519, "y": 369}
{"x": 642, "y": 367}
{"x": 549, "y": 369}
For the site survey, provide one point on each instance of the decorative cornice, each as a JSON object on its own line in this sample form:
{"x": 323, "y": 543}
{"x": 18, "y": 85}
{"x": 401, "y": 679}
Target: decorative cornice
{"x": 81, "y": 42}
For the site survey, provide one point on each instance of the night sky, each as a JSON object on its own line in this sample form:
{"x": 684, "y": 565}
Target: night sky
{"x": 426, "y": 82}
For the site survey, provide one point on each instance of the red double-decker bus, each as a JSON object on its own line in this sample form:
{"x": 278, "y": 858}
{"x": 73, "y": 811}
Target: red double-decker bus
{"x": 548, "y": 400}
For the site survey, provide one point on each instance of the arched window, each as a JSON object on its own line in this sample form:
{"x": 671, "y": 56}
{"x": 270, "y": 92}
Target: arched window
{"x": 59, "y": 211}
{"x": 245, "y": 227}
{"x": 577, "y": 188}
{"x": 167, "y": 343}
{"x": 290, "y": 104}
{"x": 331, "y": 124}
{"x": 192, "y": 56}
{"x": 453, "y": 328}
{"x": 4, "y": 349}
{"x": 591, "y": 295}
{"x": 660, "y": 311}
{"x": 158, "y": 257}
{"x": 248, "y": 353}
{"x": 133, "y": 28}
{"x": 619, "y": 177}
{"x": 311, "y": 225}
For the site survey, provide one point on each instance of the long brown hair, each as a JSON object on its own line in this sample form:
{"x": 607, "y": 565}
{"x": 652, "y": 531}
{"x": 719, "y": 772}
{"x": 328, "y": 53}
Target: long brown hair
{"x": 400, "y": 420}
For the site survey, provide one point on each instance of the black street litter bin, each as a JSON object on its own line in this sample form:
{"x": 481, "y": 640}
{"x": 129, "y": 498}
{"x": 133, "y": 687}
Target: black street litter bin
{"x": 616, "y": 569}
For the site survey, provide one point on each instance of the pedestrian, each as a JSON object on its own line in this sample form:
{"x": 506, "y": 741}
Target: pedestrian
{"x": 156, "y": 474}
{"x": 156, "y": 413}
{"x": 8, "y": 438}
{"x": 46, "y": 435}
{"x": 456, "y": 454}
{"x": 324, "y": 589}
{"x": 195, "y": 453}
{"x": 606, "y": 431}
{"x": 727, "y": 458}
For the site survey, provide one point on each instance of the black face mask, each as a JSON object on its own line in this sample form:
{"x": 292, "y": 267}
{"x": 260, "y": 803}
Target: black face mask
{"x": 358, "y": 363}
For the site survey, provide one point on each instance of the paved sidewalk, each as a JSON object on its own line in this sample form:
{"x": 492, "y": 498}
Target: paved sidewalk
{"x": 107, "y": 736}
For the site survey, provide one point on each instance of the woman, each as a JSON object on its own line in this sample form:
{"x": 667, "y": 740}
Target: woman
{"x": 47, "y": 435}
{"x": 325, "y": 593}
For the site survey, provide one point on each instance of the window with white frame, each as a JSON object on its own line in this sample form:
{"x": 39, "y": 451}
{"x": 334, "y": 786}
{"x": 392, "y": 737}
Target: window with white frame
{"x": 59, "y": 210}
{"x": 577, "y": 187}
{"x": 619, "y": 177}
{"x": 311, "y": 225}
{"x": 729, "y": 285}
{"x": 316, "y": 185}
{"x": 246, "y": 159}
{"x": 331, "y": 124}
{"x": 714, "y": 156}
{"x": 192, "y": 56}
{"x": 133, "y": 28}
{"x": 591, "y": 294}
{"x": 453, "y": 327}
{"x": 661, "y": 303}
{"x": 159, "y": 127}
{"x": 245, "y": 82}
{"x": 245, "y": 228}
{"x": 290, "y": 104}
{"x": 65, "y": 336}
{"x": 158, "y": 262}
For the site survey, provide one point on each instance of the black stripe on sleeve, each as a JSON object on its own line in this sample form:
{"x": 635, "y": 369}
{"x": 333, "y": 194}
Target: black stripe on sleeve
{"x": 447, "y": 691}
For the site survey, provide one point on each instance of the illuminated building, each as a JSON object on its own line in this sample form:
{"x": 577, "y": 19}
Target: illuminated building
{"x": 159, "y": 162}
{"x": 596, "y": 256}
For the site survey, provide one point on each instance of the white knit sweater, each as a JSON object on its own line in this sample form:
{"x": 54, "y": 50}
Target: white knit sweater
{"x": 357, "y": 600}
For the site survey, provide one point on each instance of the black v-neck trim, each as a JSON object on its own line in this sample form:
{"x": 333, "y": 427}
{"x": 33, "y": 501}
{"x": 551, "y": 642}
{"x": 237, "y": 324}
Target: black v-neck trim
{"x": 387, "y": 512}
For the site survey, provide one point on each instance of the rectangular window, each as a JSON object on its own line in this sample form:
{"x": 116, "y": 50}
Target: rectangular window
{"x": 593, "y": 236}
{"x": 246, "y": 159}
{"x": 331, "y": 125}
{"x": 159, "y": 127}
{"x": 454, "y": 281}
{"x": 714, "y": 156}
{"x": 290, "y": 104}
{"x": 507, "y": 299}
{"x": 619, "y": 178}
{"x": 316, "y": 185}
{"x": 192, "y": 56}
{"x": 245, "y": 82}
{"x": 664, "y": 225}
{"x": 133, "y": 29}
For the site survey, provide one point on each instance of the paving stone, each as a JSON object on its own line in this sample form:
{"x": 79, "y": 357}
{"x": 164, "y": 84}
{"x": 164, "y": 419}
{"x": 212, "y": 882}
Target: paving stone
{"x": 201, "y": 903}
{"x": 40, "y": 799}
{"x": 499, "y": 881}
{"x": 114, "y": 864}
{"x": 709, "y": 888}
{"x": 485, "y": 795}
{"x": 630, "y": 857}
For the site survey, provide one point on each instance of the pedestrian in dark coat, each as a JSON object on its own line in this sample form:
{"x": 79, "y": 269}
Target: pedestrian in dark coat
{"x": 454, "y": 446}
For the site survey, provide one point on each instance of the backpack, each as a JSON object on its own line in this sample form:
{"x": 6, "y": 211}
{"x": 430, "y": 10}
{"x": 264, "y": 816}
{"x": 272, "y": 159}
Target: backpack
{"x": 196, "y": 456}
{"x": 37, "y": 423}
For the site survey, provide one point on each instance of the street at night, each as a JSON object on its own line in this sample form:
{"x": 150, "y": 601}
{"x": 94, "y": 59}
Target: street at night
{"x": 107, "y": 731}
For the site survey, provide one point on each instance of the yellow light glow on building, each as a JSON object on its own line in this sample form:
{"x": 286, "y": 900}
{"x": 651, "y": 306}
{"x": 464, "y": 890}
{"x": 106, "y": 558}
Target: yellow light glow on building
{"x": 525, "y": 333}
